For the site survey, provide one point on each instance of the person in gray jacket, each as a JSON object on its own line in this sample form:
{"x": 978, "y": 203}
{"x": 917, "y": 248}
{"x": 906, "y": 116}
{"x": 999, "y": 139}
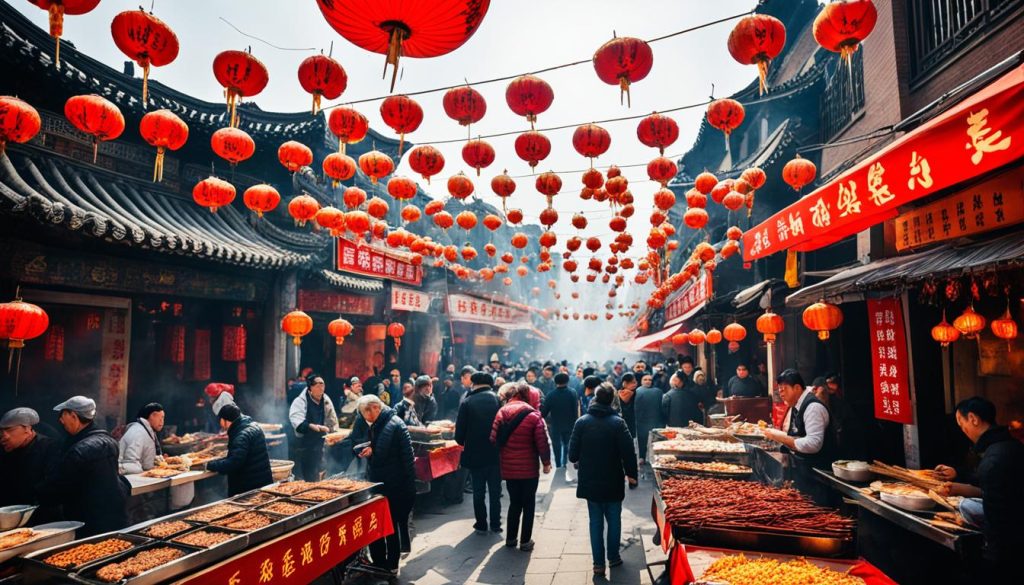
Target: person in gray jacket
{"x": 312, "y": 416}
{"x": 140, "y": 445}
{"x": 647, "y": 409}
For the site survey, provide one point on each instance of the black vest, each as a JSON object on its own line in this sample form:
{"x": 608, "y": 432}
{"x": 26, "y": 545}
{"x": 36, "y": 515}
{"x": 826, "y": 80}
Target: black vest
{"x": 823, "y": 458}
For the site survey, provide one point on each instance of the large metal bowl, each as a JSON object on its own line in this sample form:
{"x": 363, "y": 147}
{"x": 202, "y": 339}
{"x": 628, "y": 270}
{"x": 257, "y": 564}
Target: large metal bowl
{"x": 913, "y": 503}
{"x": 12, "y": 517}
{"x": 861, "y": 475}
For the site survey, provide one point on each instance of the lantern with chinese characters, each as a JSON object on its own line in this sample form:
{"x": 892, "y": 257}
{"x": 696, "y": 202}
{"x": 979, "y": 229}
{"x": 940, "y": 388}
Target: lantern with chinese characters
{"x": 57, "y": 10}
{"x": 403, "y": 115}
{"x": 162, "y": 129}
{"x": 657, "y": 131}
{"x": 348, "y": 125}
{"x": 705, "y": 182}
{"x": 353, "y": 197}
{"x": 261, "y": 199}
{"x": 145, "y": 39}
{"x": 357, "y": 222}
{"x": 376, "y": 165}
{"x": 532, "y": 147}
{"x": 339, "y": 167}
{"x": 662, "y": 170}
{"x": 503, "y": 186}
{"x": 377, "y": 208}
{"x": 303, "y": 208}
{"x": 756, "y": 40}
{"x": 726, "y": 115}
{"x": 548, "y": 184}
{"x": 460, "y": 186}
{"x": 426, "y": 160}
{"x": 213, "y": 193}
{"x": 591, "y": 141}
{"x": 822, "y": 317}
{"x": 529, "y": 96}
{"x": 331, "y": 219}
{"x": 770, "y": 324}
{"x": 401, "y": 188}
{"x": 339, "y": 329}
{"x": 945, "y": 333}
{"x": 395, "y": 332}
{"x": 464, "y": 104}
{"x": 478, "y": 154}
{"x": 323, "y": 77}
{"x": 622, "y": 61}
{"x": 96, "y": 116}
{"x": 241, "y": 75}
{"x": 841, "y": 26}
{"x": 294, "y": 155}
{"x": 297, "y": 324}
{"x": 969, "y": 323}
{"x": 233, "y": 145}
{"x": 799, "y": 172}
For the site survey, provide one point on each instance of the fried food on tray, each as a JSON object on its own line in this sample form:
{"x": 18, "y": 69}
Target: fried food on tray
{"x": 709, "y": 466}
{"x": 165, "y": 529}
{"x": 319, "y": 495}
{"x": 86, "y": 553}
{"x": 17, "y": 538}
{"x": 343, "y": 485}
{"x": 739, "y": 570}
{"x": 285, "y": 508}
{"x": 256, "y": 499}
{"x": 245, "y": 521}
{"x": 697, "y": 446}
{"x": 214, "y": 512}
{"x": 137, "y": 564}
{"x": 204, "y": 538}
{"x": 290, "y": 488}
{"x": 162, "y": 472}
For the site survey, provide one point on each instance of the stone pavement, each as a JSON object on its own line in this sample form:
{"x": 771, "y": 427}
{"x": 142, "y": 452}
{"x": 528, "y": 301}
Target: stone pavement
{"x": 446, "y": 550}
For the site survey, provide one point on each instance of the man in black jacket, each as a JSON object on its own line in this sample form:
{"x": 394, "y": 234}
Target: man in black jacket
{"x": 86, "y": 482}
{"x": 247, "y": 464}
{"x": 681, "y": 404}
{"x": 602, "y": 448}
{"x": 561, "y": 409}
{"x": 27, "y": 459}
{"x": 480, "y": 456}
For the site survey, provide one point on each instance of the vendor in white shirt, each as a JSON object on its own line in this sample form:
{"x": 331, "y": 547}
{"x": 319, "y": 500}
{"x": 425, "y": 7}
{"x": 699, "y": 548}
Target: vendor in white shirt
{"x": 809, "y": 438}
{"x": 139, "y": 448}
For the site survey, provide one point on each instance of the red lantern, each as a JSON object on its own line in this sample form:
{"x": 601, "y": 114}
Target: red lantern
{"x": 591, "y": 141}
{"x": 433, "y": 207}
{"x": 357, "y": 222}
{"x": 443, "y": 220}
{"x": 548, "y": 217}
{"x": 695, "y": 218}
{"x": 331, "y": 219}
{"x": 722, "y": 189}
{"x": 662, "y": 170}
{"x": 339, "y": 329}
{"x": 549, "y": 184}
{"x": 695, "y": 198}
{"x": 969, "y": 323}
{"x": 945, "y": 333}
{"x": 491, "y": 250}
{"x": 146, "y": 40}
{"x": 593, "y": 244}
{"x": 822, "y": 317}
{"x": 532, "y": 147}
{"x": 57, "y": 10}
{"x": 426, "y": 160}
{"x": 733, "y": 201}
{"x": 297, "y": 324}
{"x": 19, "y": 122}
{"x": 770, "y": 324}
{"x": 212, "y": 193}
{"x": 1005, "y": 327}
{"x": 519, "y": 240}
{"x": 460, "y": 186}
{"x": 339, "y": 167}
{"x": 162, "y": 129}
{"x": 713, "y": 336}
{"x": 529, "y": 96}
{"x": 503, "y": 186}
{"x": 705, "y": 182}
{"x": 547, "y": 239}
{"x": 401, "y": 188}
{"x": 734, "y": 233}
{"x": 403, "y": 115}
{"x": 261, "y": 199}
{"x": 799, "y": 172}
{"x": 734, "y": 332}
{"x": 514, "y": 216}
{"x": 841, "y": 26}
{"x": 377, "y": 208}
{"x": 411, "y": 214}
{"x": 664, "y": 199}
{"x": 241, "y": 75}
{"x": 294, "y": 155}
{"x": 522, "y": 271}
{"x": 657, "y": 131}
{"x": 348, "y": 125}
{"x": 466, "y": 220}
{"x": 592, "y": 179}
{"x": 95, "y": 116}
{"x": 755, "y": 177}
{"x": 478, "y": 154}
{"x": 622, "y": 61}
{"x": 726, "y": 115}
{"x": 21, "y": 321}
{"x": 756, "y": 40}
{"x": 464, "y": 104}
{"x": 353, "y": 197}
{"x": 617, "y": 223}
{"x": 233, "y": 145}
{"x": 696, "y": 337}
{"x": 579, "y": 221}
{"x": 303, "y": 208}
{"x": 376, "y": 165}
{"x": 656, "y": 238}
{"x": 322, "y": 77}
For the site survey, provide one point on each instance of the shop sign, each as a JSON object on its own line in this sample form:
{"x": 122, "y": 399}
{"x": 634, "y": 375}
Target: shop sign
{"x": 691, "y": 300}
{"x": 980, "y": 135}
{"x": 305, "y": 554}
{"x": 404, "y": 299}
{"x": 473, "y": 310}
{"x": 114, "y": 363}
{"x": 994, "y": 204}
{"x": 889, "y": 361}
{"x": 372, "y": 261}
{"x": 325, "y": 301}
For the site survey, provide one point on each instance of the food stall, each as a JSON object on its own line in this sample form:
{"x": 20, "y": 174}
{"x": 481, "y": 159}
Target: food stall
{"x": 436, "y": 454}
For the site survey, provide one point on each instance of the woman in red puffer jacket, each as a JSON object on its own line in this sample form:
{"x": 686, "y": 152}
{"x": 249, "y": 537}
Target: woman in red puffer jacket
{"x": 522, "y": 454}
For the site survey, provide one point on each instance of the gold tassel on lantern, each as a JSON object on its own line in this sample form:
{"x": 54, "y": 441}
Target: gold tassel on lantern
{"x": 398, "y": 34}
{"x": 158, "y": 167}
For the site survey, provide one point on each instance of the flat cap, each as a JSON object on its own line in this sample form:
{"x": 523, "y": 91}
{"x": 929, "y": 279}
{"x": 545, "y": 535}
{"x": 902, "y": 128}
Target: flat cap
{"x": 423, "y": 380}
{"x": 482, "y": 379}
{"x": 80, "y": 404}
{"x": 21, "y": 416}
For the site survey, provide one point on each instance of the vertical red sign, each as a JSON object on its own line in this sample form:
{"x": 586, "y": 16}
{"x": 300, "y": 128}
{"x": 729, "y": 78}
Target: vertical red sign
{"x": 889, "y": 358}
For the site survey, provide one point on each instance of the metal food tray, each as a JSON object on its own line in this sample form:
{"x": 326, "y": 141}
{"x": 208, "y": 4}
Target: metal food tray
{"x": 194, "y": 559}
{"x": 62, "y": 532}
{"x": 186, "y": 513}
{"x": 307, "y": 516}
{"x": 36, "y": 570}
{"x": 703, "y": 473}
{"x": 739, "y": 458}
{"x": 229, "y": 547}
{"x": 240, "y": 497}
{"x": 276, "y": 528}
{"x": 770, "y": 542}
{"x": 138, "y": 531}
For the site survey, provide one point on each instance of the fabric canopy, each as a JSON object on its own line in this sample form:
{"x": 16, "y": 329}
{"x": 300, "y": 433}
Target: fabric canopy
{"x": 653, "y": 342}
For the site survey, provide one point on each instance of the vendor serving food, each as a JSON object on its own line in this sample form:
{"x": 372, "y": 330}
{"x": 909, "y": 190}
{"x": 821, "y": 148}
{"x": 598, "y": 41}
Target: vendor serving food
{"x": 25, "y": 459}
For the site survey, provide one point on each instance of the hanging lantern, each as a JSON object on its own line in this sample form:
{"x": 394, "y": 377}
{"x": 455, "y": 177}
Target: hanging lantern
{"x": 21, "y": 321}
{"x": 664, "y": 199}
{"x": 579, "y": 221}
{"x": 705, "y": 182}
{"x": 426, "y": 160}
{"x": 261, "y": 199}
{"x": 212, "y": 193}
{"x": 514, "y": 216}
{"x": 331, "y": 219}
{"x": 377, "y": 208}
{"x": 297, "y": 324}
{"x": 799, "y": 172}
{"x": 19, "y": 122}
{"x": 353, "y": 197}
{"x": 492, "y": 222}
{"x": 1005, "y": 327}
{"x": 729, "y": 249}
{"x": 478, "y": 154}
{"x": 969, "y": 323}
{"x": 294, "y": 155}
{"x": 722, "y": 189}
{"x": 433, "y": 207}
{"x": 162, "y": 129}
{"x": 401, "y": 188}
{"x": 770, "y": 324}
{"x": 733, "y": 201}
{"x": 617, "y": 223}
{"x": 507, "y": 258}
{"x": 376, "y": 165}
{"x": 945, "y": 333}
{"x": 303, "y": 208}
{"x": 662, "y": 170}
{"x": 695, "y": 198}
{"x": 713, "y": 336}
{"x": 726, "y": 115}
{"x": 403, "y": 115}
{"x": 467, "y": 220}
{"x": 339, "y": 329}
{"x": 57, "y": 10}
{"x": 411, "y": 214}
{"x": 548, "y": 184}
{"x": 233, "y": 145}
{"x": 357, "y": 222}
{"x": 548, "y": 239}
{"x": 465, "y": 105}
{"x": 680, "y": 339}
{"x": 241, "y": 75}
{"x": 755, "y": 177}
{"x": 468, "y": 253}
{"x": 146, "y": 40}
{"x": 548, "y": 217}
{"x": 96, "y": 116}
{"x": 519, "y": 240}
{"x": 822, "y": 317}
{"x": 593, "y": 244}
{"x": 592, "y": 179}
{"x": 529, "y": 96}
{"x": 443, "y": 220}
{"x": 734, "y": 332}
{"x": 622, "y": 61}
{"x": 460, "y": 186}
{"x": 348, "y": 125}
{"x": 323, "y": 77}
{"x": 491, "y": 250}
{"x": 591, "y": 141}
{"x": 657, "y": 131}
{"x": 339, "y": 167}
{"x": 695, "y": 218}
{"x": 696, "y": 337}
{"x": 503, "y": 186}
{"x": 396, "y": 331}
{"x": 841, "y": 26}
{"x": 756, "y": 40}
{"x": 532, "y": 147}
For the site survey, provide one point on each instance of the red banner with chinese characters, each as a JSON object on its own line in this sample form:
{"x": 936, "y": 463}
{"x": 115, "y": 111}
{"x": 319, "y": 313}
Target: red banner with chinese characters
{"x": 232, "y": 343}
{"x": 691, "y": 300}
{"x": 889, "y": 358}
{"x": 377, "y": 262}
{"x": 405, "y": 299}
{"x": 325, "y": 301}
{"x": 473, "y": 310}
{"x": 305, "y": 554}
{"x": 979, "y": 135}
{"x": 201, "y": 355}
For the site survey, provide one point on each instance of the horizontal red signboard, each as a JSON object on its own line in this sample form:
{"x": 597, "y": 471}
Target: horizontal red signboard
{"x": 372, "y": 261}
{"x": 691, "y": 300}
{"x": 325, "y": 301}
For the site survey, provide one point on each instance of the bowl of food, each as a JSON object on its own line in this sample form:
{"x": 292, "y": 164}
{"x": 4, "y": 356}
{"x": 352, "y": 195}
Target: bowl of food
{"x": 852, "y": 470}
{"x": 281, "y": 469}
{"x": 904, "y": 495}
{"x": 12, "y": 517}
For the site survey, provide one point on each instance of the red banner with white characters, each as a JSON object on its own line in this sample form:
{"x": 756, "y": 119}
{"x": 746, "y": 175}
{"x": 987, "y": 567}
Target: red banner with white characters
{"x": 406, "y": 299}
{"x": 372, "y": 261}
{"x": 889, "y": 361}
{"x": 473, "y": 310}
{"x": 325, "y": 301}
{"x": 981, "y": 134}
{"x": 305, "y": 554}
{"x": 691, "y": 300}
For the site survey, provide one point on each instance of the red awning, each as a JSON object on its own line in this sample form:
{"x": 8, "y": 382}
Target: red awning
{"x": 652, "y": 342}
{"x": 980, "y": 134}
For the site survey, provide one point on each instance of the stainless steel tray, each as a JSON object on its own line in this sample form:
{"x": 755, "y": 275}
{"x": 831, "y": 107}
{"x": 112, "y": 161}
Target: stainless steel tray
{"x": 62, "y": 532}
{"x": 237, "y": 543}
{"x": 272, "y": 530}
{"x": 38, "y": 571}
{"x": 193, "y": 559}
{"x": 670, "y": 471}
{"x": 756, "y": 541}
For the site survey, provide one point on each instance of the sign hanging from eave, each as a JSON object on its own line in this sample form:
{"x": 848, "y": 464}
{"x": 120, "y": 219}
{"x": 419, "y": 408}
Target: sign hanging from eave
{"x": 981, "y": 134}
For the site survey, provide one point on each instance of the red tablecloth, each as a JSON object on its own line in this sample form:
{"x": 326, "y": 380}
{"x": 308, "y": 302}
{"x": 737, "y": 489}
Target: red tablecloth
{"x": 438, "y": 462}
{"x": 686, "y": 563}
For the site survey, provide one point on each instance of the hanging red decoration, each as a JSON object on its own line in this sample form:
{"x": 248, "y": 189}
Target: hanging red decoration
{"x": 323, "y": 77}
{"x": 658, "y": 217}
{"x": 460, "y": 186}
{"x": 339, "y": 167}
{"x": 376, "y": 165}
{"x": 591, "y": 141}
{"x": 969, "y": 323}
{"x": 664, "y": 199}
{"x": 331, "y": 219}
{"x": 662, "y": 170}
{"x": 548, "y": 217}
{"x": 548, "y": 184}
{"x": 339, "y": 329}
{"x": 733, "y": 201}
{"x": 353, "y": 197}
{"x": 713, "y": 336}
{"x": 695, "y": 198}
{"x": 478, "y": 154}
{"x": 21, "y": 321}
{"x": 411, "y": 214}
{"x": 19, "y": 122}
{"x": 403, "y": 115}
{"x": 233, "y": 145}
{"x": 162, "y": 129}
{"x": 491, "y": 250}
{"x": 615, "y": 186}
{"x": 822, "y": 317}
{"x": 726, "y": 115}
{"x": 657, "y": 131}
{"x": 622, "y": 61}
{"x": 519, "y": 240}
{"x": 532, "y": 147}
{"x": 579, "y": 221}
{"x": 466, "y": 219}
{"x": 593, "y": 244}
{"x": 696, "y": 337}
{"x": 593, "y": 179}
{"x": 241, "y": 75}
{"x": 507, "y": 258}
{"x": 464, "y": 104}
{"x": 799, "y": 173}
{"x": 770, "y": 324}
{"x": 303, "y": 208}
{"x": 1005, "y": 327}
{"x": 212, "y": 193}
{"x": 756, "y": 40}
{"x": 443, "y": 220}
{"x": 656, "y": 239}
{"x": 468, "y": 253}
{"x": 705, "y": 182}
{"x": 348, "y": 125}
{"x": 96, "y": 116}
{"x": 755, "y": 177}
{"x": 433, "y": 207}
{"x": 503, "y": 186}
{"x": 294, "y": 155}
{"x": 529, "y": 96}
{"x": 261, "y": 199}
{"x": 377, "y": 208}
{"x": 426, "y": 160}
{"x": 945, "y": 333}
{"x": 492, "y": 222}
{"x": 695, "y": 218}
{"x": 514, "y": 216}
{"x": 734, "y": 332}
{"x": 617, "y": 223}
{"x": 734, "y": 233}
{"x": 722, "y": 189}
{"x": 57, "y": 10}
{"x": 401, "y": 188}
{"x": 146, "y": 40}
{"x": 548, "y": 239}
{"x": 357, "y": 222}
{"x": 297, "y": 324}
{"x": 841, "y": 26}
